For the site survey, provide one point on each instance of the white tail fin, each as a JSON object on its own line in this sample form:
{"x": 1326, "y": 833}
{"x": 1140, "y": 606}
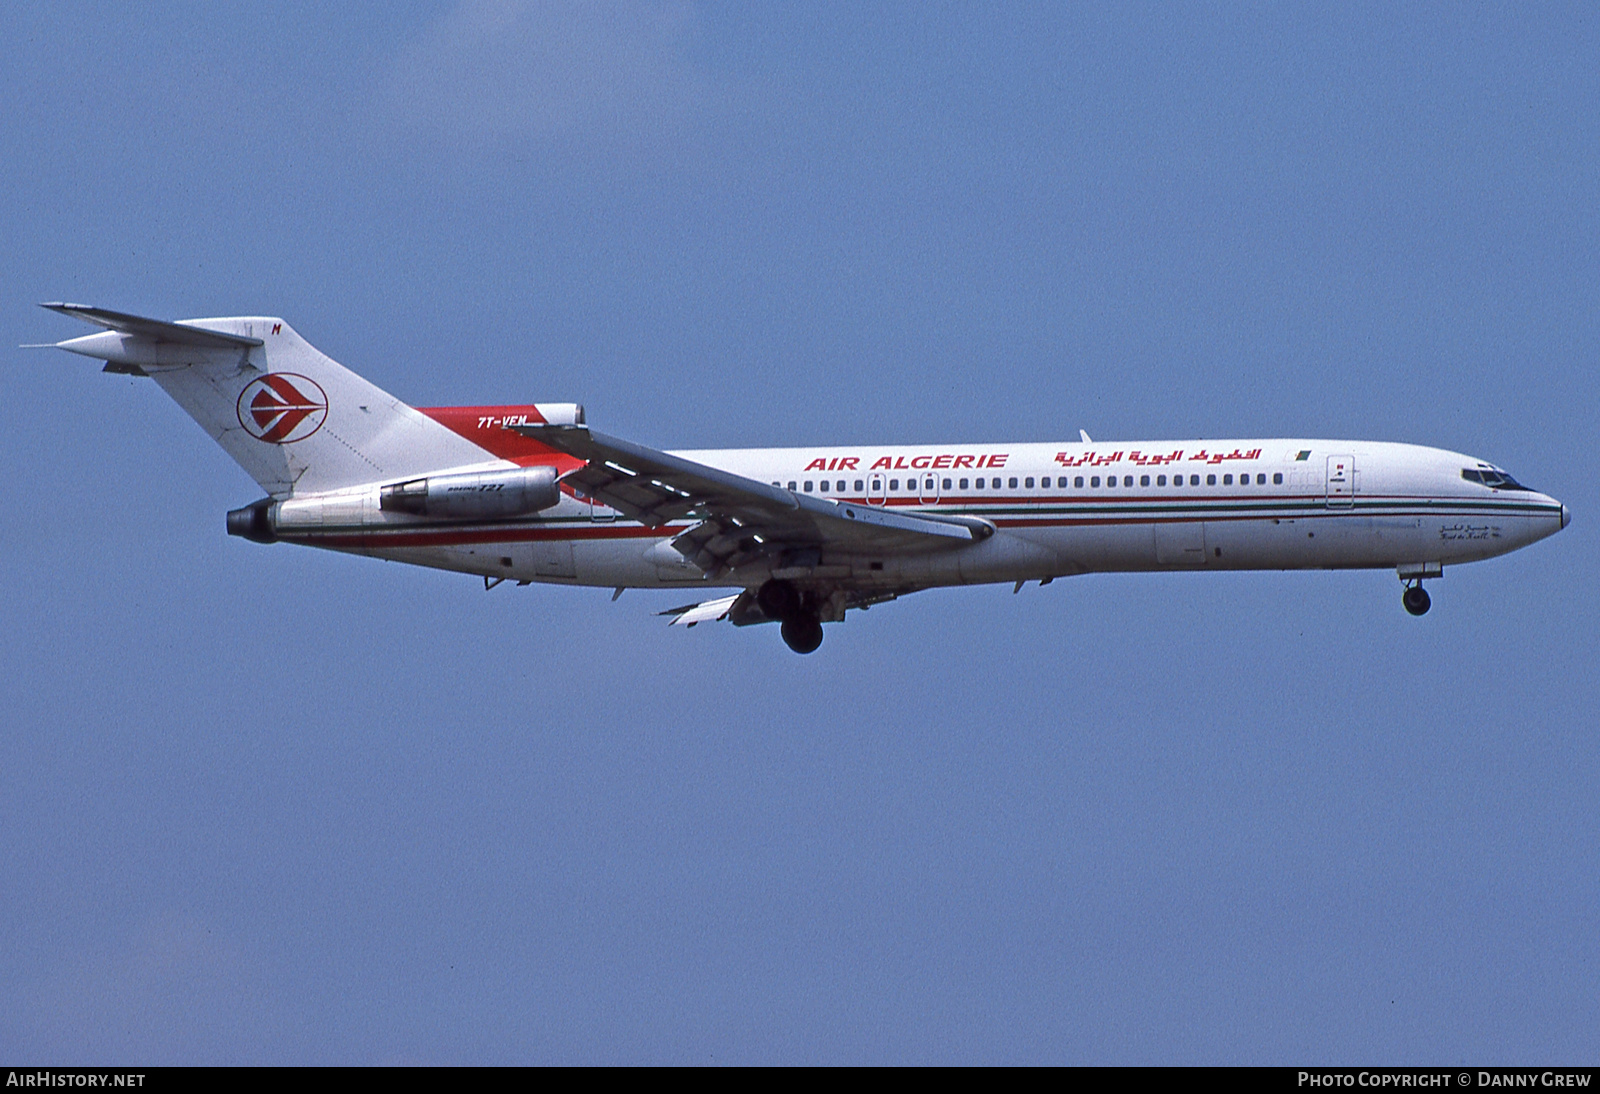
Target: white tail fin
{"x": 296, "y": 420}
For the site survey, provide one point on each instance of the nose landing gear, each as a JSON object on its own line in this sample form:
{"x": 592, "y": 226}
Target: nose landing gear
{"x": 1416, "y": 599}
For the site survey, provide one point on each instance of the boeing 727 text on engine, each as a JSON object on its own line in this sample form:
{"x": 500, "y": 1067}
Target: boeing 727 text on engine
{"x": 797, "y": 536}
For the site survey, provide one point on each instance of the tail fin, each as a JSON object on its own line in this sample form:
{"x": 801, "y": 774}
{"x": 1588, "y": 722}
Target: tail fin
{"x": 296, "y": 420}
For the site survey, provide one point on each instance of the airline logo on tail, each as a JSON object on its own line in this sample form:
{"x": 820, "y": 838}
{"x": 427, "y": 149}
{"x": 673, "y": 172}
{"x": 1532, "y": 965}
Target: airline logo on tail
{"x": 282, "y": 407}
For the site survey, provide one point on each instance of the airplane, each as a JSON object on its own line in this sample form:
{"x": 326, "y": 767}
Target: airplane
{"x": 797, "y": 536}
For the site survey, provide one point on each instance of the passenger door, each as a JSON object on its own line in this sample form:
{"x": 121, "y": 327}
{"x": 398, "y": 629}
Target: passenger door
{"x": 1341, "y": 482}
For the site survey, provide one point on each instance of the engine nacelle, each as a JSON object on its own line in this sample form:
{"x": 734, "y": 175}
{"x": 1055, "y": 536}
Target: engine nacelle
{"x": 560, "y": 413}
{"x": 483, "y": 495}
{"x": 254, "y": 522}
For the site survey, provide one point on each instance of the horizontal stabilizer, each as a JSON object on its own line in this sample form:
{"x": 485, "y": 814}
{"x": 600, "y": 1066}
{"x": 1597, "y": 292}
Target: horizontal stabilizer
{"x": 156, "y": 330}
{"x": 295, "y": 420}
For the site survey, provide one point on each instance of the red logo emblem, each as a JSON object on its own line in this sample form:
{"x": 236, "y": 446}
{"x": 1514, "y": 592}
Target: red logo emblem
{"x": 282, "y": 407}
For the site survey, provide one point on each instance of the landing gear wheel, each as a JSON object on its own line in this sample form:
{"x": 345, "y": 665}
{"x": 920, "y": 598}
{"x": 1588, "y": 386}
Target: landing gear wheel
{"x": 1416, "y": 600}
{"x": 778, "y": 599}
{"x": 802, "y": 633}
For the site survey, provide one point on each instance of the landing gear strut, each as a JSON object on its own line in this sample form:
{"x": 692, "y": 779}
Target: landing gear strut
{"x": 801, "y": 627}
{"x": 1416, "y": 599}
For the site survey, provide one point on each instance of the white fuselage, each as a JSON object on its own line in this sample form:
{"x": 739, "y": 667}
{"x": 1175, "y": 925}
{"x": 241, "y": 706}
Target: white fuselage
{"x": 1057, "y": 509}
{"x": 531, "y": 493}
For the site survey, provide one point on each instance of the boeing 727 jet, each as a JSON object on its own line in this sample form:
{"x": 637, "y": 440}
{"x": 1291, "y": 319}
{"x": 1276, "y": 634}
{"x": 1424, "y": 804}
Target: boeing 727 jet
{"x": 796, "y": 536}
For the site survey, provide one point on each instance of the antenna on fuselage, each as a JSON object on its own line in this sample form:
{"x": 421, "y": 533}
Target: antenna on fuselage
{"x": 1084, "y": 433}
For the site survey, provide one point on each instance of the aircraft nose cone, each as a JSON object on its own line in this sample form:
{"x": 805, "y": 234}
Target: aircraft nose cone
{"x": 1566, "y": 516}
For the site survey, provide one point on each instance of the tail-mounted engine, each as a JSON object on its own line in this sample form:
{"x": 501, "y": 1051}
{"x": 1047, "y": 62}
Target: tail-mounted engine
{"x": 484, "y": 495}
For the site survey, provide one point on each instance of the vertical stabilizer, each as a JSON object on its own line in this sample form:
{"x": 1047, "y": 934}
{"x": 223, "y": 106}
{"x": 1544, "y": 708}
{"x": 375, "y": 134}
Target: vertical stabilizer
{"x": 292, "y": 417}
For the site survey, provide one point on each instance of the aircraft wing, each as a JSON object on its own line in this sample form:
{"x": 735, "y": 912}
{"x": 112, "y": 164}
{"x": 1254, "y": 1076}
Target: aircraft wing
{"x": 740, "y": 519}
{"x": 707, "y": 611}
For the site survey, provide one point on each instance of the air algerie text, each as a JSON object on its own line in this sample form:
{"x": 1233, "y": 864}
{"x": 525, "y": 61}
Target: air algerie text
{"x": 905, "y": 463}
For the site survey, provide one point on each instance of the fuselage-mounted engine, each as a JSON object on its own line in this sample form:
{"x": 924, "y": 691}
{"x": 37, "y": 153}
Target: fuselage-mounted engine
{"x": 481, "y": 495}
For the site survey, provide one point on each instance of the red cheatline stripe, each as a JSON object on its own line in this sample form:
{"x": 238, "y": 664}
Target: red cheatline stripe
{"x": 425, "y": 537}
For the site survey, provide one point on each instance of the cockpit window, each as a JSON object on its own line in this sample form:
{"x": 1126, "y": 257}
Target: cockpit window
{"x": 1497, "y": 480}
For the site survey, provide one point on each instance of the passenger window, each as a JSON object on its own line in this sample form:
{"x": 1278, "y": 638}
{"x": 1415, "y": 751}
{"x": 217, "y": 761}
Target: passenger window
{"x": 1277, "y": 478}
{"x": 995, "y": 483}
{"x": 1013, "y": 483}
{"x": 841, "y": 486}
{"x": 793, "y": 486}
{"x": 1161, "y": 480}
{"x": 774, "y": 484}
{"x": 947, "y": 484}
{"x": 1028, "y": 482}
{"x": 1211, "y": 480}
{"x": 1127, "y": 480}
{"x": 808, "y": 486}
{"x": 1078, "y": 482}
{"x": 894, "y": 484}
{"x": 977, "y": 484}
{"x": 1194, "y": 480}
{"x": 1227, "y": 480}
{"x": 1094, "y": 481}
{"x": 824, "y": 486}
{"x": 858, "y": 486}
{"x": 1261, "y": 480}
{"x": 1144, "y": 480}
{"x": 963, "y": 484}
{"x": 1111, "y": 482}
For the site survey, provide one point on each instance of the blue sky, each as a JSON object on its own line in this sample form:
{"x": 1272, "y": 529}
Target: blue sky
{"x": 271, "y": 805}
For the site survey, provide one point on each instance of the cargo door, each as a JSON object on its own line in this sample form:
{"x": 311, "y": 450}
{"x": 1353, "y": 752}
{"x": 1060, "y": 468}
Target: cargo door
{"x": 553, "y": 558}
{"x": 1181, "y": 543}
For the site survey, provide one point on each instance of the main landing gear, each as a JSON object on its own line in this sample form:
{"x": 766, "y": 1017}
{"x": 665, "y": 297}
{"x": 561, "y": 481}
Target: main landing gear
{"x": 801, "y": 626}
{"x": 1416, "y": 599}
{"x": 803, "y": 634}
